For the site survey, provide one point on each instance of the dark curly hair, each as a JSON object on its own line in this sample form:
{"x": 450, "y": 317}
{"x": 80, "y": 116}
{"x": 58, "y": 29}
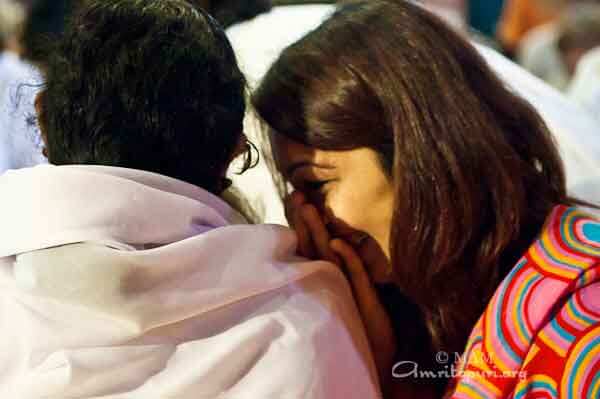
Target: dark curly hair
{"x": 144, "y": 84}
{"x": 45, "y": 22}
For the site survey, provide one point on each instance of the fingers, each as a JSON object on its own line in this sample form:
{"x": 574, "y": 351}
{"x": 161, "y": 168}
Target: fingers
{"x": 361, "y": 283}
{"x": 379, "y": 268}
{"x": 293, "y": 210}
{"x": 375, "y": 318}
{"x": 292, "y": 203}
{"x": 364, "y": 291}
{"x": 318, "y": 232}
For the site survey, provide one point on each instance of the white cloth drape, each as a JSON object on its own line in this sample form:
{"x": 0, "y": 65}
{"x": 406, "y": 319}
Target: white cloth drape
{"x": 124, "y": 284}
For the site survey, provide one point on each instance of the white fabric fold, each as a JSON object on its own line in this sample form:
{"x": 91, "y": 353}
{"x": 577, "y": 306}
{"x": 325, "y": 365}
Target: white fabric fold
{"x": 122, "y": 284}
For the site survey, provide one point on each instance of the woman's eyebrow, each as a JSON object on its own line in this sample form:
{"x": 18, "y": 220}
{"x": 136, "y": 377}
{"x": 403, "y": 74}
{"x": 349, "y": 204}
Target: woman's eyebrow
{"x": 306, "y": 164}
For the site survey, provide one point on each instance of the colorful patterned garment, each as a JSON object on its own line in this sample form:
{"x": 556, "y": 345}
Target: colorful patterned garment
{"x": 540, "y": 335}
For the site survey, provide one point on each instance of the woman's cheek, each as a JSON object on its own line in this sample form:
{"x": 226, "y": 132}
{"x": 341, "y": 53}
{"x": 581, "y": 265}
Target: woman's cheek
{"x": 346, "y": 216}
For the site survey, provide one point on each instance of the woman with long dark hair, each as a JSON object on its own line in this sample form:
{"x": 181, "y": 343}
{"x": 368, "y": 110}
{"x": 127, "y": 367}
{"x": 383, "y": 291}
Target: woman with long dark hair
{"x": 442, "y": 195}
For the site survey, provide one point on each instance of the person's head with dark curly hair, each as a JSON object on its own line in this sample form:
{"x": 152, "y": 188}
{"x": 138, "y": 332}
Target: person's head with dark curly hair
{"x": 144, "y": 84}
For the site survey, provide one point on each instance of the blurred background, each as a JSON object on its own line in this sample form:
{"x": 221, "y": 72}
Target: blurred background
{"x": 549, "y": 38}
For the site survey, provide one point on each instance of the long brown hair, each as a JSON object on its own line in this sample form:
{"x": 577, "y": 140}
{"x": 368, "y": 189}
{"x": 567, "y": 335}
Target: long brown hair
{"x": 474, "y": 168}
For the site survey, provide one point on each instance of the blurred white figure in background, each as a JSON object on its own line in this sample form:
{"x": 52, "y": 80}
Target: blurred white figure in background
{"x": 573, "y": 127}
{"x": 585, "y": 90}
{"x": 552, "y": 51}
{"x": 256, "y": 44}
{"x": 20, "y": 144}
{"x": 256, "y": 47}
{"x": 12, "y": 15}
{"x": 538, "y": 53}
{"x": 585, "y": 86}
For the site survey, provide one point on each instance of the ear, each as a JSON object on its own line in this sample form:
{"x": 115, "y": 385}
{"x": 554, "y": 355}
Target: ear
{"x": 41, "y": 120}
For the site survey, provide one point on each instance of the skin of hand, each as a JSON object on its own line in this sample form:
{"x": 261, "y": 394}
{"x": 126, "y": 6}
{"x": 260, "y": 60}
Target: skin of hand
{"x": 315, "y": 242}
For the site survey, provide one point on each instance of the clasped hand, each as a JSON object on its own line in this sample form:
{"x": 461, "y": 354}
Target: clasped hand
{"x": 355, "y": 260}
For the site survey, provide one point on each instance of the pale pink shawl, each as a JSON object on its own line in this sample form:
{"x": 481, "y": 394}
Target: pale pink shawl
{"x": 117, "y": 283}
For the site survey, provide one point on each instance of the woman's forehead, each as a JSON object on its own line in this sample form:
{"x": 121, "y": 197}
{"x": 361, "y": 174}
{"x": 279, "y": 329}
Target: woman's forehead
{"x": 288, "y": 149}
{"x": 289, "y": 153}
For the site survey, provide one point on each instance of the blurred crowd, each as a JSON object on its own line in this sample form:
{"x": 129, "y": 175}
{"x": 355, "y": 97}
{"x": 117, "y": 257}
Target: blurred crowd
{"x": 552, "y": 39}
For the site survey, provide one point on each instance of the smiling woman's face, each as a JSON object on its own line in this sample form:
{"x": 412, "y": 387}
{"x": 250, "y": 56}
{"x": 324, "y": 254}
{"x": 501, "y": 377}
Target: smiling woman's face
{"x": 349, "y": 187}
